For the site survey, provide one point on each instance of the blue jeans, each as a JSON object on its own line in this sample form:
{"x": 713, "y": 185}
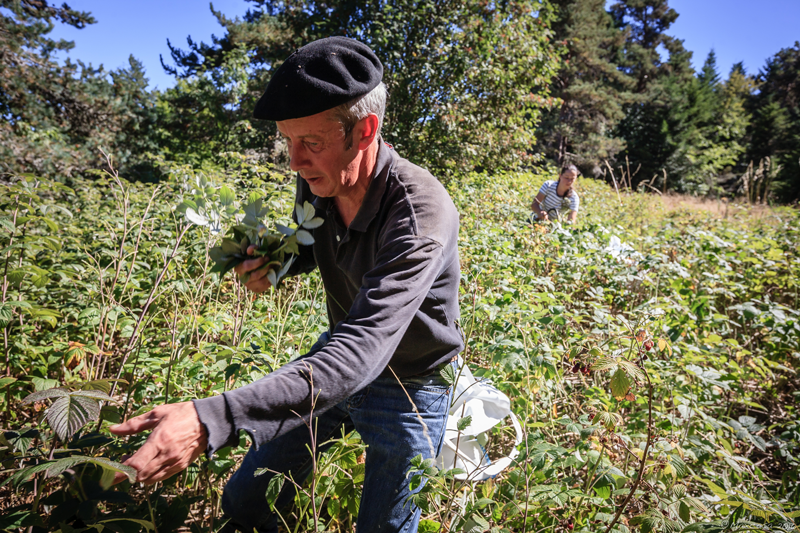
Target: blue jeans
{"x": 393, "y": 433}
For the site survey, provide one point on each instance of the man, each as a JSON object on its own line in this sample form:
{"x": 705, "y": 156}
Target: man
{"x": 387, "y": 253}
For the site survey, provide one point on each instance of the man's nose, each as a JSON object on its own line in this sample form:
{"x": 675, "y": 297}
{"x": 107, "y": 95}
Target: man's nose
{"x": 298, "y": 158}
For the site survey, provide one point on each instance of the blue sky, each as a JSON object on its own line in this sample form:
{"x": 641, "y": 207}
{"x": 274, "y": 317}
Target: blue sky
{"x": 738, "y": 30}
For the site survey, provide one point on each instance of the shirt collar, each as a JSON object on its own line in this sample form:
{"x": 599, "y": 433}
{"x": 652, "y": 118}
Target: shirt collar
{"x": 372, "y": 199}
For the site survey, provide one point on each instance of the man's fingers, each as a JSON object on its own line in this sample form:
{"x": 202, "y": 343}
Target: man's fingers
{"x": 136, "y": 424}
{"x": 177, "y": 439}
{"x": 144, "y": 460}
{"x": 250, "y": 265}
{"x": 165, "y": 467}
{"x": 259, "y": 285}
{"x": 257, "y": 274}
{"x": 169, "y": 469}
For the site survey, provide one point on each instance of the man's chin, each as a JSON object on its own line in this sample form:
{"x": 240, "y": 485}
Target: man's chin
{"x": 318, "y": 188}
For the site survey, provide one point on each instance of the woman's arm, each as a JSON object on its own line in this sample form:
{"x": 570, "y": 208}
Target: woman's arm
{"x": 536, "y": 206}
{"x": 573, "y": 216}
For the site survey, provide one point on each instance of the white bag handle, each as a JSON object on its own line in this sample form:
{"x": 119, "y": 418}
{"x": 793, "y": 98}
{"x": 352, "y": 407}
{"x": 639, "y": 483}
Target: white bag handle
{"x": 487, "y": 406}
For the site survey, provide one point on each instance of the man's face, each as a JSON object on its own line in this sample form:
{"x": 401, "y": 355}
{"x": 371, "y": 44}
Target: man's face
{"x": 317, "y": 149}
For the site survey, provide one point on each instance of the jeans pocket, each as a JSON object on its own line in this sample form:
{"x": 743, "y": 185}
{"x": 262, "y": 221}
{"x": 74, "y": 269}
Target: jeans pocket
{"x": 431, "y": 383}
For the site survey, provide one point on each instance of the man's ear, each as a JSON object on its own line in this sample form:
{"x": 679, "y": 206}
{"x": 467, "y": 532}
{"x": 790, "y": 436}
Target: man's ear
{"x": 366, "y": 131}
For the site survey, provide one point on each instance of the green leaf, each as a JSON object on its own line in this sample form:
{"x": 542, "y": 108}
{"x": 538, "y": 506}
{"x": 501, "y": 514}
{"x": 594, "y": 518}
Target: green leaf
{"x": 58, "y": 467}
{"x": 603, "y": 492}
{"x": 41, "y": 384}
{"x": 299, "y": 213}
{"x": 6, "y": 314}
{"x": 758, "y": 442}
{"x": 7, "y": 380}
{"x": 45, "y": 394}
{"x": 16, "y": 276}
{"x": 226, "y": 196}
{"x": 286, "y": 230}
{"x": 103, "y": 385}
{"x": 144, "y": 523}
{"x": 313, "y": 223}
{"x": 51, "y": 225}
{"x": 21, "y": 476}
{"x": 716, "y": 489}
{"x": 679, "y": 465}
{"x": 16, "y": 520}
{"x": 308, "y": 211}
{"x": 603, "y": 364}
{"x": 429, "y": 526}
{"x": 273, "y": 490}
{"x": 40, "y": 278}
{"x": 448, "y": 373}
{"x": 7, "y": 225}
{"x": 304, "y": 237}
{"x": 632, "y": 370}
{"x": 475, "y": 524}
{"x": 684, "y": 512}
{"x": 228, "y": 247}
{"x": 196, "y": 218}
{"x": 70, "y": 413}
{"x": 620, "y": 384}
{"x": 464, "y": 423}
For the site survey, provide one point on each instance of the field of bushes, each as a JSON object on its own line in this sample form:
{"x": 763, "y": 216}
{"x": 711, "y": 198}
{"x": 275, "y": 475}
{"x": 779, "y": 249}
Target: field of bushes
{"x": 651, "y": 355}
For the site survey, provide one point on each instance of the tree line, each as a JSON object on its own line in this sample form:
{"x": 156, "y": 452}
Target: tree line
{"x": 474, "y": 86}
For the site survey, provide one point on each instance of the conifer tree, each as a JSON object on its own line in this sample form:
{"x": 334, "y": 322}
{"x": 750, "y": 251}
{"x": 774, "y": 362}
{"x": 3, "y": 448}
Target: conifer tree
{"x": 57, "y": 117}
{"x": 775, "y": 130}
{"x": 654, "y": 127}
{"x": 590, "y": 85}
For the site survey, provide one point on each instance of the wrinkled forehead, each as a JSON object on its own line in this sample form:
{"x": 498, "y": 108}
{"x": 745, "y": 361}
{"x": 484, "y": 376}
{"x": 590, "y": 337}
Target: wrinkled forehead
{"x": 320, "y": 125}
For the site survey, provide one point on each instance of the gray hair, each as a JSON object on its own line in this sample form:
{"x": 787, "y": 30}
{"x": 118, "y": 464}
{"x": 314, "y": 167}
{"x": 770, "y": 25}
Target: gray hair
{"x": 349, "y": 113}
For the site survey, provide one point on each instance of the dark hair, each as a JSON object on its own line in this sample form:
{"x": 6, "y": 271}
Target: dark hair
{"x": 568, "y": 168}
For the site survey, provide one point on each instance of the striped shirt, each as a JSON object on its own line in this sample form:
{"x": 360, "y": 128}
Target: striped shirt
{"x": 553, "y": 201}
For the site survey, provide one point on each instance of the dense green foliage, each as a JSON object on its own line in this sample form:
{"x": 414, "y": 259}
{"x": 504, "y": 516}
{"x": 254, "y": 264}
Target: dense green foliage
{"x": 670, "y": 367}
{"x": 651, "y": 354}
{"x": 57, "y": 117}
{"x": 590, "y": 86}
{"x": 473, "y": 86}
{"x": 466, "y": 80}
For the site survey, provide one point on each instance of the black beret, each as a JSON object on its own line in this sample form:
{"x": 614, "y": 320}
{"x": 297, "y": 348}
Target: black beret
{"x": 320, "y": 76}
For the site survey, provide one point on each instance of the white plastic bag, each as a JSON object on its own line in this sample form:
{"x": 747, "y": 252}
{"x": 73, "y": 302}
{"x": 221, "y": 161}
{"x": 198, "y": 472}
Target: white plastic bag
{"x": 488, "y": 407}
{"x": 620, "y": 250}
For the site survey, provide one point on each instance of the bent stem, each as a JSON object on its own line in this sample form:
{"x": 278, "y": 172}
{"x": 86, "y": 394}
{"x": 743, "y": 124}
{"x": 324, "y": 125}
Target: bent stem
{"x": 643, "y": 461}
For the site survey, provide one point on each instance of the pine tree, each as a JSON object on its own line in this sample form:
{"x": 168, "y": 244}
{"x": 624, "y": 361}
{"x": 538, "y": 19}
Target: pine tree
{"x": 775, "y": 129}
{"x": 591, "y": 87}
{"x": 655, "y": 127}
{"x": 58, "y": 117}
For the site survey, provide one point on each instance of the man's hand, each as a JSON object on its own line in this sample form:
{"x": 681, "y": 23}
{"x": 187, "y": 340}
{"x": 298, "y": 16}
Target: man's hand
{"x": 258, "y": 281}
{"x": 178, "y": 438}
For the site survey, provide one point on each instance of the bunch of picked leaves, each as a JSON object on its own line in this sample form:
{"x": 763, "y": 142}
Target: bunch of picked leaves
{"x": 281, "y": 247}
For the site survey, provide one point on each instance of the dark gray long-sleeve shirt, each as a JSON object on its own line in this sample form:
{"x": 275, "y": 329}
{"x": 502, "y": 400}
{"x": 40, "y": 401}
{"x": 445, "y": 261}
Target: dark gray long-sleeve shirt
{"x": 391, "y": 282}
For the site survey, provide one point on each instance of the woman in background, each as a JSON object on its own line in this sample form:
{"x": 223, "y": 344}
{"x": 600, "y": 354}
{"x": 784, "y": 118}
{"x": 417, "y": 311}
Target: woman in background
{"x": 556, "y": 196}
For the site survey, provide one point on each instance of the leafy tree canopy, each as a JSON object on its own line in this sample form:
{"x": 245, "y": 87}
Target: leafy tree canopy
{"x": 467, "y": 80}
{"x": 57, "y": 117}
